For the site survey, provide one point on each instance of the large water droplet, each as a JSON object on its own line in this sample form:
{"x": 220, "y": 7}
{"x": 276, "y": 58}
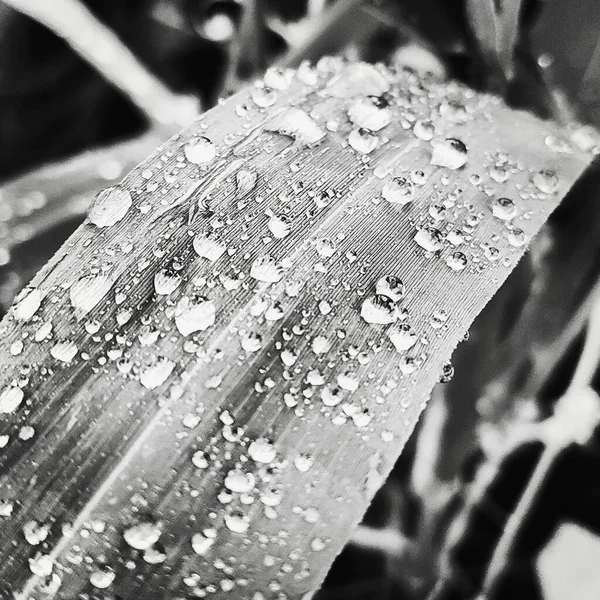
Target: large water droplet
{"x": 195, "y": 313}
{"x": 64, "y": 351}
{"x": 430, "y": 239}
{"x": 262, "y": 450}
{"x": 424, "y": 130}
{"x": 252, "y": 342}
{"x": 102, "y": 578}
{"x": 110, "y": 206}
{"x": 378, "y": 310}
{"x": 200, "y": 150}
{"x": 157, "y": 373}
{"x": 363, "y": 140}
{"x": 27, "y": 303}
{"x": 142, "y": 536}
{"x": 239, "y": 481}
{"x": 166, "y": 281}
{"x": 504, "y": 209}
{"x": 10, "y": 399}
{"x": 372, "y": 112}
{"x": 297, "y": 124}
{"x": 398, "y": 191}
{"x": 279, "y": 226}
{"x": 237, "y": 522}
{"x": 87, "y": 292}
{"x": 450, "y": 153}
{"x": 265, "y": 268}
{"x": 457, "y": 261}
{"x": 264, "y": 97}
{"x": 209, "y": 245}
{"x": 390, "y": 286}
{"x": 546, "y": 181}
{"x": 402, "y": 336}
{"x": 202, "y": 542}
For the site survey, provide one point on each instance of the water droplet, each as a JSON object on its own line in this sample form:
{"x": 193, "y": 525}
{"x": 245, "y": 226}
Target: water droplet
{"x": 277, "y": 78}
{"x": 245, "y": 181}
{"x": 297, "y": 124}
{"x": 303, "y": 462}
{"x": 237, "y": 522}
{"x": 378, "y": 310}
{"x": 195, "y": 313}
{"x": 200, "y": 150}
{"x": 424, "y": 130}
{"x": 398, "y": 191}
{"x": 437, "y": 212}
{"x": 447, "y": 373}
{"x": 516, "y": 237}
{"x": 201, "y": 543}
{"x": 371, "y": 113}
{"x": 252, "y": 342}
{"x": 325, "y": 248}
{"x": 320, "y": 345}
{"x": 450, "y": 153}
{"x": 390, "y": 286}
{"x": 264, "y": 97}
{"x": 102, "y": 578}
{"x": 331, "y": 396}
{"x": 199, "y": 460}
{"x": 348, "y": 380}
{"x": 504, "y": 209}
{"x": 166, "y": 281}
{"x": 157, "y": 373}
{"x": 64, "y": 351}
{"x": 402, "y": 336}
{"x": 264, "y": 268}
{"x": 363, "y": 140}
{"x": 142, "y": 536}
{"x": 430, "y": 239}
{"x": 209, "y": 246}
{"x": 110, "y": 206}
{"x": 546, "y": 181}
{"x": 27, "y": 304}
{"x": 10, "y": 399}
{"x": 87, "y": 292}
{"x": 41, "y": 565}
{"x": 279, "y": 226}
{"x": 262, "y": 450}
{"x": 239, "y": 481}
{"x": 457, "y": 261}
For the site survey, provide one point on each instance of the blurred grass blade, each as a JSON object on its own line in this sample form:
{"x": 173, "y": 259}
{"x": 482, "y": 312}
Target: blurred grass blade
{"x": 217, "y": 367}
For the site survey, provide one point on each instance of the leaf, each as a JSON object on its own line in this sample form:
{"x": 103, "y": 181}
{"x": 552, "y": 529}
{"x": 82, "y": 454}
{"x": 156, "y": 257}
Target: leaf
{"x": 162, "y": 454}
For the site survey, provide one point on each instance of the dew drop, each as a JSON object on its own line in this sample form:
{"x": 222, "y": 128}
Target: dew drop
{"x": 237, "y": 522}
{"x": 504, "y": 209}
{"x": 64, "y": 351}
{"x": 371, "y": 113}
{"x": 264, "y": 268}
{"x": 27, "y": 304}
{"x": 430, "y": 239}
{"x": 378, "y": 310}
{"x": 457, "y": 261}
{"x": 166, "y": 281}
{"x": 200, "y": 150}
{"x": 239, "y": 481}
{"x": 424, "y": 130}
{"x": 402, "y": 336}
{"x": 298, "y": 125}
{"x": 516, "y": 237}
{"x": 398, "y": 191}
{"x": 196, "y": 313}
{"x": 252, "y": 342}
{"x": 279, "y": 226}
{"x": 209, "y": 246}
{"x": 546, "y": 181}
{"x": 390, "y": 286}
{"x": 450, "y": 153}
{"x": 10, "y": 399}
{"x": 245, "y": 181}
{"x": 157, "y": 373}
{"x": 87, "y": 292}
{"x": 262, "y": 450}
{"x": 142, "y": 536}
{"x": 264, "y": 97}
{"x": 110, "y": 206}
{"x": 102, "y": 578}
{"x": 363, "y": 140}
{"x": 202, "y": 543}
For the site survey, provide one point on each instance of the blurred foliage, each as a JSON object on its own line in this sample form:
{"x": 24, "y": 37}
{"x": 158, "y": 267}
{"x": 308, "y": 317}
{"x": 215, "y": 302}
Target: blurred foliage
{"x": 543, "y": 55}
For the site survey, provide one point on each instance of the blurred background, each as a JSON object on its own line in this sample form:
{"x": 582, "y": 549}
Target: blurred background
{"x": 484, "y": 502}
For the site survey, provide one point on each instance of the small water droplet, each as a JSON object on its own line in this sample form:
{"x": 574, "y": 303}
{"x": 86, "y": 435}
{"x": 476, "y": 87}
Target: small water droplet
{"x": 209, "y": 245}
{"x": 424, "y": 130}
{"x": 390, "y": 286}
{"x": 142, "y": 536}
{"x": 157, "y": 373}
{"x": 378, "y": 310}
{"x": 27, "y": 303}
{"x": 262, "y": 450}
{"x": 504, "y": 209}
{"x": 87, "y": 292}
{"x": 546, "y": 180}
{"x": 10, "y": 399}
{"x": 264, "y": 97}
{"x": 402, "y": 336}
{"x": 265, "y": 268}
